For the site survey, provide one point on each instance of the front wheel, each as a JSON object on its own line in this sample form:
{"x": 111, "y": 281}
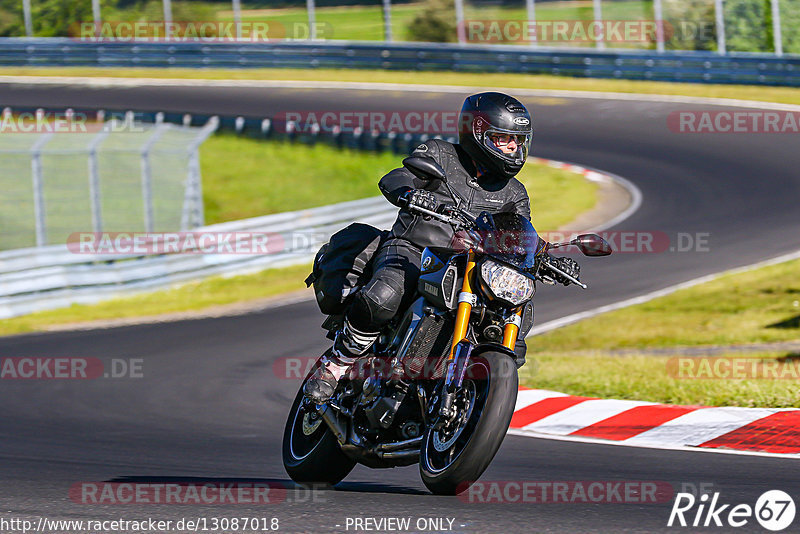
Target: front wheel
{"x": 455, "y": 456}
{"x": 311, "y": 453}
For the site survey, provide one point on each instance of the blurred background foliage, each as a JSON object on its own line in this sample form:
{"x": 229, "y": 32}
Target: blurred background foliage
{"x": 748, "y": 22}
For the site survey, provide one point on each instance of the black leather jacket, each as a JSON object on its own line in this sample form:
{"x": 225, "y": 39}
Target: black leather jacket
{"x": 476, "y": 194}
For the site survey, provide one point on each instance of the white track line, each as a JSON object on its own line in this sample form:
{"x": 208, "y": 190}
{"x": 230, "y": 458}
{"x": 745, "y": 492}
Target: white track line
{"x": 374, "y": 86}
{"x": 595, "y": 441}
{"x": 575, "y": 317}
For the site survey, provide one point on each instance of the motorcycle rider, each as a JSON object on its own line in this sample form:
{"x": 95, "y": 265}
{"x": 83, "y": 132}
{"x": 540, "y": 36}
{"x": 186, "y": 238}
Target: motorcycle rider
{"x": 495, "y": 134}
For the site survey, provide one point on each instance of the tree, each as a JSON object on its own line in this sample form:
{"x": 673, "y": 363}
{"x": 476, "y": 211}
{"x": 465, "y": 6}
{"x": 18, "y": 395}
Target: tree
{"x": 436, "y": 23}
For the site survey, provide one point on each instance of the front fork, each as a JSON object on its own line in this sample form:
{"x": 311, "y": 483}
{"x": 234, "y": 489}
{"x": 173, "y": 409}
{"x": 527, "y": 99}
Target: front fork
{"x": 461, "y": 348}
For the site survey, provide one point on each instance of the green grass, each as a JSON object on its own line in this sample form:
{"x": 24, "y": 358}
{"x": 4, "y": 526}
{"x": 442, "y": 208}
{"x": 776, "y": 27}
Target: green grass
{"x": 736, "y": 308}
{"x": 365, "y": 23}
{"x": 273, "y": 177}
{"x": 784, "y": 95}
{"x": 245, "y": 177}
{"x": 649, "y": 378}
{"x": 193, "y": 296}
{"x": 762, "y": 305}
{"x": 560, "y": 11}
{"x": 358, "y": 23}
{"x": 262, "y": 178}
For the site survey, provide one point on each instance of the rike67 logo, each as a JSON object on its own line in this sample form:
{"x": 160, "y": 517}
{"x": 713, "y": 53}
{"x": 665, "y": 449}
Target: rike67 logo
{"x": 774, "y": 510}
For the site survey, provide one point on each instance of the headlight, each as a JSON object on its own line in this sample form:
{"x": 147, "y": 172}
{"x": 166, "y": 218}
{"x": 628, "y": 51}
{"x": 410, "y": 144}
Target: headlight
{"x": 506, "y": 283}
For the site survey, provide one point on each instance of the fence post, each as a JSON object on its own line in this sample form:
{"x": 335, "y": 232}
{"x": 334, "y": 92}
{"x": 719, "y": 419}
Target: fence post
{"x": 167, "y": 12}
{"x": 600, "y": 42}
{"x": 387, "y": 20}
{"x": 26, "y": 14}
{"x": 312, "y": 20}
{"x": 192, "y": 215}
{"x": 94, "y": 181}
{"x": 460, "y": 30}
{"x": 237, "y": 18}
{"x": 147, "y": 176}
{"x": 719, "y": 13}
{"x": 530, "y": 7}
{"x": 776, "y": 28}
{"x": 658, "y": 14}
{"x": 38, "y": 188}
{"x": 96, "y": 17}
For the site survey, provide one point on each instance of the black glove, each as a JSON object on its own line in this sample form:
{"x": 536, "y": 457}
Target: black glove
{"x": 419, "y": 198}
{"x": 567, "y": 265}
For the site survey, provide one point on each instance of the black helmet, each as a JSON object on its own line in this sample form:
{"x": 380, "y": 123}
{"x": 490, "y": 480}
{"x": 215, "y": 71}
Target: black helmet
{"x": 495, "y": 114}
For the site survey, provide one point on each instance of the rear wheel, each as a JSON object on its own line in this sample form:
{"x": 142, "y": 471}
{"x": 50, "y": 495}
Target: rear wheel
{"x": 455, "y": 456}
{"x": 311, "y": 453}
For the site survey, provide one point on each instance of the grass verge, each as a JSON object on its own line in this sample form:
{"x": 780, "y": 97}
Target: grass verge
{"x": 784, "y": 95}
{"x": 272, "y": 177}
{"x": 245, "y": 177}
{"x": 365, "y": 22}
{"x": 262, "y": 178}
{"x": 649, "y": 378}
{"x": 760, "y": 306}
{"x": 200, "y": 295}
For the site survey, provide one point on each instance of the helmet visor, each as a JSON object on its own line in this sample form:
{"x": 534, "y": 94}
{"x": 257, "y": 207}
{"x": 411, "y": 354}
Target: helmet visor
{"x": 512, "y": 146}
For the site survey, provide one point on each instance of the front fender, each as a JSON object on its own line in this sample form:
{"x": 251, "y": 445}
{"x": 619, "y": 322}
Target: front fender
{"x": 466, "y": 351}
{"x": 493, "y": 347}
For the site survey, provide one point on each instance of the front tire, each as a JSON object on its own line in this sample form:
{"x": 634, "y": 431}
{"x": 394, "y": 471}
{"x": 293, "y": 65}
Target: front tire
{"x": 454, "y": 457}
{"x": 311, "y": 453}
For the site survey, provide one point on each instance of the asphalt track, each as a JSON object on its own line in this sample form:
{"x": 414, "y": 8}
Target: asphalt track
{"x": 210, "y": 408}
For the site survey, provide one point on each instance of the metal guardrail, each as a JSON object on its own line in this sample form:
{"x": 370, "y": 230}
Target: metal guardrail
{"x": 43, "y": 278}
{"x": 703, "y": 67}
{"x": 261, "y": 128}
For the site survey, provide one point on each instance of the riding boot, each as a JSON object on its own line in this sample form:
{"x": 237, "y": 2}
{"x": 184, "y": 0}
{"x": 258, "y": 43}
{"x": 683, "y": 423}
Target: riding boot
{"x": 348, "y": 346}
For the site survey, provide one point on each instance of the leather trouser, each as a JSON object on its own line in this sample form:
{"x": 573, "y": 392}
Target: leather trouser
{"x": 392, "y": 287}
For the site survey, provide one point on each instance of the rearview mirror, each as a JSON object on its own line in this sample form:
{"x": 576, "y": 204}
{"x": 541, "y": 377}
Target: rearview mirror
{"x": 424, "y": 168}
{"x": 592, "y": 245}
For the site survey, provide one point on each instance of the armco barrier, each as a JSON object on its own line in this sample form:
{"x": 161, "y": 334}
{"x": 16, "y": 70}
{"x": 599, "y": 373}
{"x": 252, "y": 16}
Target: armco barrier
{"x": 702, "y": 67}
{"x": 49, "y": 277}
{"x": 260, "y": 128}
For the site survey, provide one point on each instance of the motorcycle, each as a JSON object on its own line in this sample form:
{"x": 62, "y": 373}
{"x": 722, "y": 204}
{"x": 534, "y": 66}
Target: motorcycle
{"x": 440, "y": 384}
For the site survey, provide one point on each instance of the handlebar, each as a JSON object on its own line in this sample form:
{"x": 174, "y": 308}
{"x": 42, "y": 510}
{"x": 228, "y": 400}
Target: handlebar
{"x": 556, "y": 270}
{"x": 459, "y": 223}
{"x": 455, "y": 221}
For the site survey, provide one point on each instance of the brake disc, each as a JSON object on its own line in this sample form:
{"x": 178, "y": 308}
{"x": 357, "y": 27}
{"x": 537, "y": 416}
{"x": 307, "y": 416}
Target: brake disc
{"x": 466, "y": 412}
{"x": 310, "y": 425}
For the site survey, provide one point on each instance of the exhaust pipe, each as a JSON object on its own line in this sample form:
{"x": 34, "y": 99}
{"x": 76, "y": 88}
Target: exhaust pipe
{"x": 398, "y": 455}
{"x": 399, "y": 445}
{"x": 334, "y": 424}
